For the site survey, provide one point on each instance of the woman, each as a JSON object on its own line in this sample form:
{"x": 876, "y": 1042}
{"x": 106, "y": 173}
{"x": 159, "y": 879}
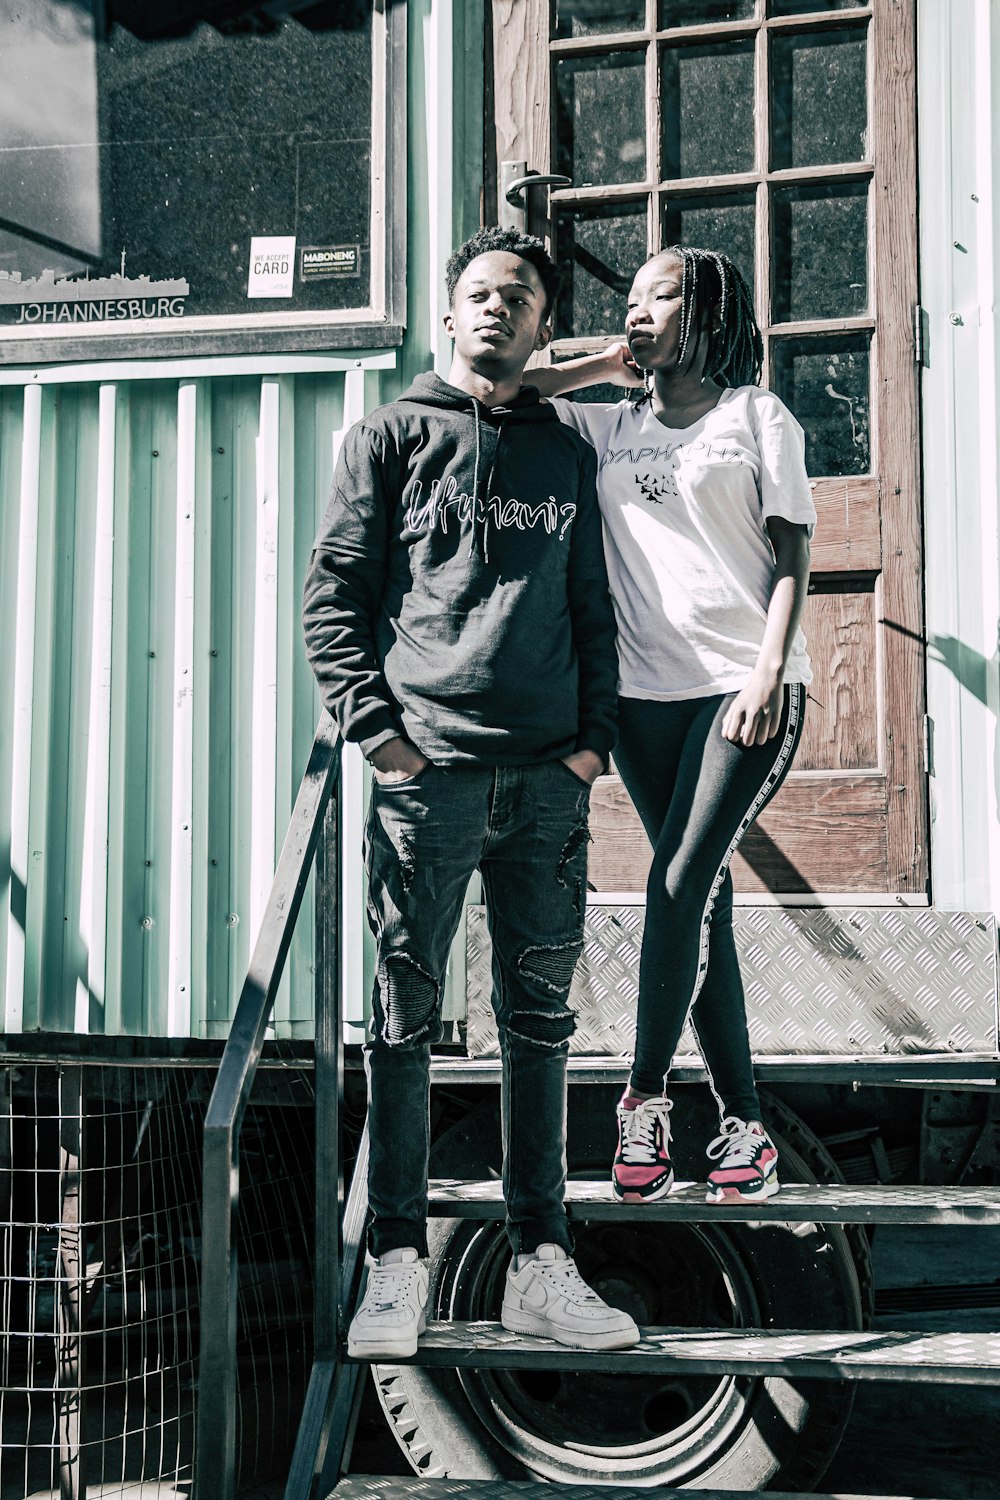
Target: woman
{"x": 708, "y": 514}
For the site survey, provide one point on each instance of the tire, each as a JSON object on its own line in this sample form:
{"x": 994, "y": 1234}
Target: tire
{"x": 702, "y": 1431}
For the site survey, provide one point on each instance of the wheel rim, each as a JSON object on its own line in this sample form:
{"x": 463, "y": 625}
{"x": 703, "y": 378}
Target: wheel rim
{"x": 667, "y": 1275}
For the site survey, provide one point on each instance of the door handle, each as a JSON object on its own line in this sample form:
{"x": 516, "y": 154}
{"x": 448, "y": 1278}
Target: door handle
{"x": 515, "y": 181}
{"x": 515, "y": 189}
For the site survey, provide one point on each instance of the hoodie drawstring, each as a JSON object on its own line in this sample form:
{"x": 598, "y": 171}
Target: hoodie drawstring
{"x": 489, "y": 491}
{"x": 480, "y": 541}
{"x": 475, "y": 480}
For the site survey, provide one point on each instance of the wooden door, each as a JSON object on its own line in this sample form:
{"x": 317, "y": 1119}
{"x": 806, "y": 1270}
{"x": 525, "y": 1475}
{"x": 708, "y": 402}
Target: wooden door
{"x": 783, "y": 132}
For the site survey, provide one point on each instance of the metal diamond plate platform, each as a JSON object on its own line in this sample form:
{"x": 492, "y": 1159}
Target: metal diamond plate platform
{"x": 864, "y": 982}
{"x": 377, "y": 1487}
{"x": 946, "y": 1358}
{"x": 797, "y": 1203}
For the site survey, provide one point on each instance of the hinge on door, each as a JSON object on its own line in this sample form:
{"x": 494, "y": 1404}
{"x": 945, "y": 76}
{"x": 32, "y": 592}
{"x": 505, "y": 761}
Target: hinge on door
{"x": 928, "y": 745}
{"x": 921, "y": 336}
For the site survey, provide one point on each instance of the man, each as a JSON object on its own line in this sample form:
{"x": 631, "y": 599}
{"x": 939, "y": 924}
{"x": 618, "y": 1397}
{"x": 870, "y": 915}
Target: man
{"x": 458, "y": 620}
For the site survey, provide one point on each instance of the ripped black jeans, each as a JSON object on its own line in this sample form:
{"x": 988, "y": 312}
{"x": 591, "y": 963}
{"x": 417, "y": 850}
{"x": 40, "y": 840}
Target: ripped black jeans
{"x": 525, "y": 828}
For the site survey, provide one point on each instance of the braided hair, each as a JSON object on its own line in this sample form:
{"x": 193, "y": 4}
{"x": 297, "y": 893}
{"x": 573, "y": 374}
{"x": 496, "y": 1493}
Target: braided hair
{"x": 710, "y": 280}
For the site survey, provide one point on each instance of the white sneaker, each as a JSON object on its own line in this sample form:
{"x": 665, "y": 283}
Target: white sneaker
{"x": 549, "y": 1296}
{"x": 391, "y": 1316}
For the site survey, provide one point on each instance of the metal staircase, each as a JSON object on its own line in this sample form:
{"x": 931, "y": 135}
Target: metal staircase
{"x": 952, "y": 1358}
{"x": 325, "y": 1434}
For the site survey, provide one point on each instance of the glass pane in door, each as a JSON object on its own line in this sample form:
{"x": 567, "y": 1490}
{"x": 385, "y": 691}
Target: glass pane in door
{"x": 598, "y": 251}
{"x": 601, "y": 118}
{"x": 808, "y": 7}
{"x": 819, "y": 98}
{"x": 717, "y": 221}
{"x": 694, "y": 12}
{"x": 707, "y": 103}
{"x": 825, "y": 382}
{"x": 820, "y": 251}
{"x": 597, "y": 17}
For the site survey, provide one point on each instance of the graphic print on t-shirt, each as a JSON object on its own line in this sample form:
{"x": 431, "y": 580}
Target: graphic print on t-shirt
{"x": 656, "y": 487}
{"x": 663, "y": 452}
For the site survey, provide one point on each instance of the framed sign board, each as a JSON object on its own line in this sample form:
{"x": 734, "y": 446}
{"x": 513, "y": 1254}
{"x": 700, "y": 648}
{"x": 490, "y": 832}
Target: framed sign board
{"x": 200, "y": 177}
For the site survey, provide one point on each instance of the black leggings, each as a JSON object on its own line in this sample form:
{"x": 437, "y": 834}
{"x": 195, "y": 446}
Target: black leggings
{"x": 697, "y": 795}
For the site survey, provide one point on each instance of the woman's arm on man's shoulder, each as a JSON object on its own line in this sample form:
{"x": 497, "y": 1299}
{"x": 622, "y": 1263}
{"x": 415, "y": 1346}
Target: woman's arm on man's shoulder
{"x": 614, "y": 366}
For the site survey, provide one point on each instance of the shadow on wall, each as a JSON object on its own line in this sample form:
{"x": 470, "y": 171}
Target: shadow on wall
{"x": 973, "y": 671}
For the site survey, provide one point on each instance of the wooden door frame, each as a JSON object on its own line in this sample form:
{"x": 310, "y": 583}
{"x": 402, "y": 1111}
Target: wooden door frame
{"x": 896, "y": 410}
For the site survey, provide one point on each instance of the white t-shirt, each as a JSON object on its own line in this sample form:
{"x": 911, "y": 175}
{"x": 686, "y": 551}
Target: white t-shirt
{"x": 689, "y": 561}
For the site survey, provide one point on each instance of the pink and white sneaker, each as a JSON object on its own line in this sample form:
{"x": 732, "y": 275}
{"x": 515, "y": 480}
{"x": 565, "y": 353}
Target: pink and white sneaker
{"x": 748, "y": 1169}
{"x": 642, "y": 1170}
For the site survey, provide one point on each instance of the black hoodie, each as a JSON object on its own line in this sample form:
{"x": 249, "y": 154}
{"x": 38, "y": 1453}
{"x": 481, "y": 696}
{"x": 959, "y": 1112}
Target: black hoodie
{"x": 457, "y": 592}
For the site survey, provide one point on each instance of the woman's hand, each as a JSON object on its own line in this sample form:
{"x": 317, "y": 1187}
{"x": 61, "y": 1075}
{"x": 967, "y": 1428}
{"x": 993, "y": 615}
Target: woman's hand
{"x": 754, "y": 714}
{"x": 620, "y": 367}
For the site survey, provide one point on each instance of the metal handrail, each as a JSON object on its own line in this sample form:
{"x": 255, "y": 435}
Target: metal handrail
{"x": 216, "y": 1429}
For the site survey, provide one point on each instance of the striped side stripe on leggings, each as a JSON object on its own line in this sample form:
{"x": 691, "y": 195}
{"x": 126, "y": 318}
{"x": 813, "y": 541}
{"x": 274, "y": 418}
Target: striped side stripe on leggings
{"x": 796, "y": 698}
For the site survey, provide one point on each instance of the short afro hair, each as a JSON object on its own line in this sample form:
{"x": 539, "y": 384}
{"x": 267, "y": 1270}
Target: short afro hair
{"x": 527, "y": 246}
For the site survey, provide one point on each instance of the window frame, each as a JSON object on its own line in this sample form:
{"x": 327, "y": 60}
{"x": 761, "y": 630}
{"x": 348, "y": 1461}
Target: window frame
{"x": 381, "y": 324}
{"x": 758, "y": 181}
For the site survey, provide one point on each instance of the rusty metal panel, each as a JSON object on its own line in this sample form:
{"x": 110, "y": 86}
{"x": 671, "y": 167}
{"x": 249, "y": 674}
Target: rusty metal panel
{"x": 872, "y": 982}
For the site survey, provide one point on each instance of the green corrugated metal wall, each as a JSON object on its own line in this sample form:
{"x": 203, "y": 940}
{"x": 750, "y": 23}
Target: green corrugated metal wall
{"x": 155, "y": 536}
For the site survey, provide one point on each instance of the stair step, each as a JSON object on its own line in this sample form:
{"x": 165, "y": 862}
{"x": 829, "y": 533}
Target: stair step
{"x": 908, "y": 1067}
{"x": 949, "y": 1358}
{"x": 823, "y": 1203}
{"x": 378, "y": 1487}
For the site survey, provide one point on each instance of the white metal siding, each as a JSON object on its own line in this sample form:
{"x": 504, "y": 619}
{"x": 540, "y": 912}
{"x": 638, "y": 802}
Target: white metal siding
{"x": 959, "y": 136}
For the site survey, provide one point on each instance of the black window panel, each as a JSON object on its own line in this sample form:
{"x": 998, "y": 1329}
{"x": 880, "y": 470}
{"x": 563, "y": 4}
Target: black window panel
{"x": 598, "y": 17}
{"x": 707, "y": 103}
{"x": 715, "y": 221}
{"x": 601, "y": 118}
{"x": 162, "y": 136}
{"x": 697, "y": 12}
{"x": 819, "y": 97}
{"x": 605, "y": 393}
{"x": 808, "y": 7}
